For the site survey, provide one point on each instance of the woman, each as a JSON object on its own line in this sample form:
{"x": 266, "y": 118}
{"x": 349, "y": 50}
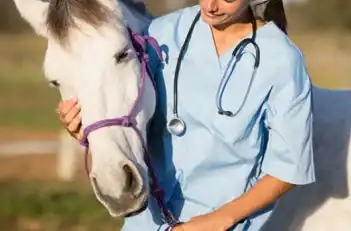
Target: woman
{"x": 227, "y": 171}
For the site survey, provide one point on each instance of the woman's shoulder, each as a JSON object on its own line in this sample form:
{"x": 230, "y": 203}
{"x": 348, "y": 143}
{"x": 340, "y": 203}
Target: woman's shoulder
{"x": 281, "y": 55}
{"x": 170, "y": 24}
{"x": 275, "y": 44}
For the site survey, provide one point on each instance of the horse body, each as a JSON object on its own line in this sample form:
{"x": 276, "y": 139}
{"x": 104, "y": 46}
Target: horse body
{"x": 324, "y": 205}
{"x": 86, "y": 64}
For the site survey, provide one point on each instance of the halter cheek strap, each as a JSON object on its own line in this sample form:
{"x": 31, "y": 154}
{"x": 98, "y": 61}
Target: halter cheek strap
{"x": 128, "y": 121}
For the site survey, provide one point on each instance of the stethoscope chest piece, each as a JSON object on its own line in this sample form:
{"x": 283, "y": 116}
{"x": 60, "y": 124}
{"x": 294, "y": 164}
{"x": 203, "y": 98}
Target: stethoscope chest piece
{"x": 176, "y": 126}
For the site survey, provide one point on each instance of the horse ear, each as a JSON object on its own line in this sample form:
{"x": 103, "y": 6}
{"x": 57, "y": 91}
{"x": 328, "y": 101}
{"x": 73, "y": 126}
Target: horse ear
{"x": 34, "y": 12}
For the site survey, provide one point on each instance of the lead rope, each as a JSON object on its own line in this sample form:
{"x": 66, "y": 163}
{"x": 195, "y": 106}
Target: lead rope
{"x": 156, "y": 191}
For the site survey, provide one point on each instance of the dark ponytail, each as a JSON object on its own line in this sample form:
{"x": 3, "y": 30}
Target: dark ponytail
{"x": 271, "y": 10}
{"x": 275, "y": 12}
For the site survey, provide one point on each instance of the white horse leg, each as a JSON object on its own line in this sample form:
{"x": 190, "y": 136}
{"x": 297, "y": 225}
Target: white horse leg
{"x": 66, "y": 157}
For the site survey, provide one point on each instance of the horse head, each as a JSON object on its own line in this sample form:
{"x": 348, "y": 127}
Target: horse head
{"x": 90, "y": 56}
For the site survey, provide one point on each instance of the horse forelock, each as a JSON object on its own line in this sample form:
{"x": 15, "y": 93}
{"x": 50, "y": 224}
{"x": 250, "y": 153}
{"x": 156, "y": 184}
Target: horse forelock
{"x": 62, "y": 14}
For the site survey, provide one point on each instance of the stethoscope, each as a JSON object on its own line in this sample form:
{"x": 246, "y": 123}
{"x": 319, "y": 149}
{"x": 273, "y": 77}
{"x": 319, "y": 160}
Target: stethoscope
{"x": 176, "y": 126}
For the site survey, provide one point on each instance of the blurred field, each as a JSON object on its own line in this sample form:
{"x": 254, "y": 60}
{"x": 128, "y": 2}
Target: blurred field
{"x": 34, "y": 206}
{"x": 328, "y": 57}
{"x": 31, "y": 198}
{"x": 23, "y": 90}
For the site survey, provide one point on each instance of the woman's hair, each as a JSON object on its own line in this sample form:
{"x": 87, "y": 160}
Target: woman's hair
{"x": 270, "y": 10}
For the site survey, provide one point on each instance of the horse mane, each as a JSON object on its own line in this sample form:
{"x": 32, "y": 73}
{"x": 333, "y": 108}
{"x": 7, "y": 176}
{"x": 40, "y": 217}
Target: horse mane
{"x": 62, "y": 14}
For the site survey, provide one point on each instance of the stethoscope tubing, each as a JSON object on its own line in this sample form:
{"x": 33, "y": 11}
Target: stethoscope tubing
{"x": 176, "y": 125}
{"x": 179, "y": 62}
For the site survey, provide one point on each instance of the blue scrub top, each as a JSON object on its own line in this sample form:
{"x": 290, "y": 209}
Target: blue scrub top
{"x": 219, "y": 158}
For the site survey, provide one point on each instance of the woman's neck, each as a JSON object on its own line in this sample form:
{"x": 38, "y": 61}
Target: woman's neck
{"x": 226, "y": 36}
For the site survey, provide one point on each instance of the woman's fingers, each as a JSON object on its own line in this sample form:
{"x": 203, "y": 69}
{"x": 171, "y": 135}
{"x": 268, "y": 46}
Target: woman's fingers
{"x": 65, "y": 105}
{"x": 67, "y": 110}
{"x": 71, "y": 115}
{"x": 75, "y": 125}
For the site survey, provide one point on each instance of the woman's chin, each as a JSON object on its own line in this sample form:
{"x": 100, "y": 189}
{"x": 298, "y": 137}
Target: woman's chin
{"x": 213, "y": 21}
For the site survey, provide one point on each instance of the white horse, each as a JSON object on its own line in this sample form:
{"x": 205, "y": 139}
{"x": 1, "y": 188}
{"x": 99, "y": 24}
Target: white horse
{"x": 90, "y": 56}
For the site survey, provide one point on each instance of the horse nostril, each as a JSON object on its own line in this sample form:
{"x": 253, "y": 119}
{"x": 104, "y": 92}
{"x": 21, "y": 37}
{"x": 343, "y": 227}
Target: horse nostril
{"x": 131, "y": 180}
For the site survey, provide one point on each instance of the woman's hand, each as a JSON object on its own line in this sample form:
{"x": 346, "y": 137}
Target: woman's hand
{"x": 209, "y": 222}
{"x": 69, "y": 115}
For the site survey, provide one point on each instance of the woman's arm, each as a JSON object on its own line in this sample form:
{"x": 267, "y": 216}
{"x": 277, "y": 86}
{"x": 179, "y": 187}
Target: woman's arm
{"x": 265, "y": 192}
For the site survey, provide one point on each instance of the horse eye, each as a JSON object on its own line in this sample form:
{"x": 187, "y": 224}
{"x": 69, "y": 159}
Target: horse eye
{"x": 121, "y": 56}
{"x": 54, "y": 83}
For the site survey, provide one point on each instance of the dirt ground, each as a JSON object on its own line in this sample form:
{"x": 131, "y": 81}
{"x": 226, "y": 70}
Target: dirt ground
{"x": 32, "y": 166}
{"x": 13, "y": 133}
{"x": 35, "y": 167}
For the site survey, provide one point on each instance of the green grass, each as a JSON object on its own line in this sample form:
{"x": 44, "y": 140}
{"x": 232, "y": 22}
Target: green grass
{"x": 26, "y": 101}
{"x": 53, "y": 207}
{"x": 28, "y": 105}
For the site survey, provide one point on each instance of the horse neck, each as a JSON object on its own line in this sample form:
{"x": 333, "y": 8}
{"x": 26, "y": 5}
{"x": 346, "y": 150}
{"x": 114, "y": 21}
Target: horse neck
{"x": 137, "y": 21}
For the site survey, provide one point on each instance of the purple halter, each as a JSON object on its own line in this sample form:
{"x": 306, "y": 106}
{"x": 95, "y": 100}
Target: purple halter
{"x": 139, "y": 43}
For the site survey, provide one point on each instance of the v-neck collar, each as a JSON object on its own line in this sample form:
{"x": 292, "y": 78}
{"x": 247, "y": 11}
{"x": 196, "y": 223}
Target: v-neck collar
{"x": 226, "y": 57}
{"x": 203, "y": 44}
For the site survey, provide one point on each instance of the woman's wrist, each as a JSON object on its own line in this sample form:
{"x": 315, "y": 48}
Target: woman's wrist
{"x": 226, "y": 219}
{"x": 267, "y": 191}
